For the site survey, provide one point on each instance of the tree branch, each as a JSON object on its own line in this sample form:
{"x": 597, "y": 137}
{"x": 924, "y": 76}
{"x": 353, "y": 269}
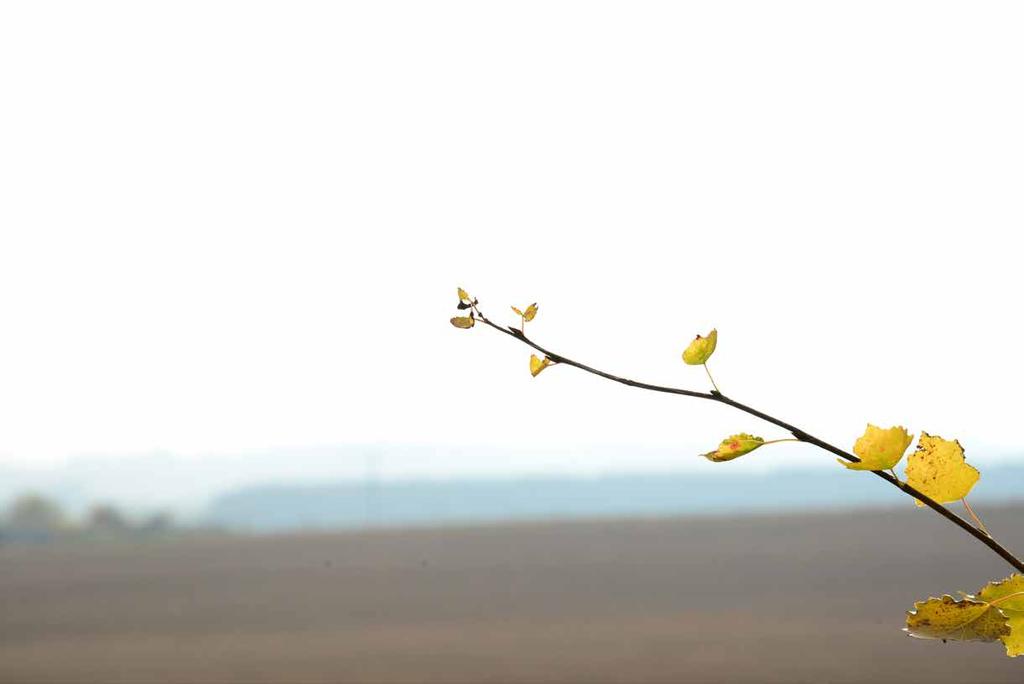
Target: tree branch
{"x": 799, "y": 434}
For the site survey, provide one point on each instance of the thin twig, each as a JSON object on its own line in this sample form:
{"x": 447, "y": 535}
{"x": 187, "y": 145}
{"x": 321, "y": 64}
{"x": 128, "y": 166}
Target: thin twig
{"x": 799, "y": 434}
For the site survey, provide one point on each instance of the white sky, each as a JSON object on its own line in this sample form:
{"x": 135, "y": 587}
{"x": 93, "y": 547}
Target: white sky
{"x": 239, "y": 226}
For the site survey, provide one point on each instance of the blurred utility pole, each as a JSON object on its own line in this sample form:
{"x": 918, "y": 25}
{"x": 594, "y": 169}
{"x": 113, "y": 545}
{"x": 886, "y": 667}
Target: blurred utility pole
{"x": 371, "y": 489}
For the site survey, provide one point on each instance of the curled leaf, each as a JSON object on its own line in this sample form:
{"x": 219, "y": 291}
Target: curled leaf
{"x": 733, "y": 447}
{"x": 464, "y": 296}
{"x": 701, "y": 349}
{"x": 1008, "y": 594}
{"x": 463, "y": 322}
{"x": 537, "y": 364}
{"x": 965, "y": 619}
{"x": 937, "y": 468}
{"x": 880, "y": 449}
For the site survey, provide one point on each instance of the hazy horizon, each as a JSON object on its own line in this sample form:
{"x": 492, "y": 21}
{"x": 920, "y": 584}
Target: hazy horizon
{"x": 187, "y": 486}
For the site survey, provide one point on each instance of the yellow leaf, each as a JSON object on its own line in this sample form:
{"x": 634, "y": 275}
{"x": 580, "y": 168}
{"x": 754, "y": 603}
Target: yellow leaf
{"x": 879, "y": 449}
{"x": 701, "y": 349}
{"x": 937, "y": 468}
{"x": 1015, "y": 642}
{"x": 537, "y": 365}
{"x": 965, "y": 619}
{"x": 463, "y": 322}
{"x": 1008, "y": 594}
{"x": 527, "y": 315}
{"x": 1012, "y": 587}
{"x": 733, "y": 447}
{"x": 464, "y": 296}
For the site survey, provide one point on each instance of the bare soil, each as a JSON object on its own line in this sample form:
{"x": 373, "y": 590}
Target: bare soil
{"x": 802, "y": 598}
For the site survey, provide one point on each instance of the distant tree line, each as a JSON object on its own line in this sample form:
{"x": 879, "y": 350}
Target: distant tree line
{"x": 33, "y": 518}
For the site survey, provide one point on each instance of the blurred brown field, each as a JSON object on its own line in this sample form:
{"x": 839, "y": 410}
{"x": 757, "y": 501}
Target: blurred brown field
{"x": 781, "y": 598}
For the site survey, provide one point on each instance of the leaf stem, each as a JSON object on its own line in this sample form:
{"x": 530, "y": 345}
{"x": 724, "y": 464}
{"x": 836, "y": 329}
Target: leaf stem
{"x": 708, "y": 371}
{"x": 798, "y": 434}
{"x": 974, "y": 517}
